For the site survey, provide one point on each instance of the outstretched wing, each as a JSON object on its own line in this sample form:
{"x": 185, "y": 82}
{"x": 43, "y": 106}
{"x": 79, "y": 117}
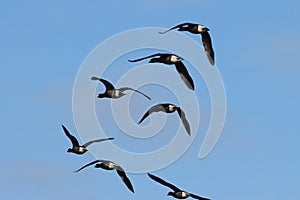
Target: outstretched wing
{"x": 71, "y": 137}
{"x": 159, "y": 180}
{"x": 91, "y": 163}
{"x": 99, "y": 140}
{"x": 155, "y": 108}
{"x": 107, "y": 84}
{"x": 197, "y": 197}
{"x": 128, "y": 88}
{"x": 178, "y": 26}
{"x": 124, "y": 178}
{"x": 206, "y": 40}
{"x": 184, "y": 74}
{"x": 153, "y": 55}
{"x": 184, "y": 120}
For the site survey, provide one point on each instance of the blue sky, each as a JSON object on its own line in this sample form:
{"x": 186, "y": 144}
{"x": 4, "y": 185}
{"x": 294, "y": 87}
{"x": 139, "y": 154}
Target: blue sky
{"x": 43, "y": 45}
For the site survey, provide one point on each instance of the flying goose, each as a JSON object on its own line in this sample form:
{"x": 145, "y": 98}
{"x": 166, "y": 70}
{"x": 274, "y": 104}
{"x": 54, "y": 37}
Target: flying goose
{"x": 198, "y": 29}
{"x": 113, "y": 93}
{"x": 168, "y": 108}
{"x": 80, "y": 149}
{"x": 109, "y": 165}
{"x": 171, "y": 59}
{"x": 177, "y": 193}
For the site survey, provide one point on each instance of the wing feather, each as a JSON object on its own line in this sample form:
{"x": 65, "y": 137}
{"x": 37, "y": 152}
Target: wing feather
{"x": 207, "y": 44}
{"x": 155, "y": 108}
{"x": 153, "y": 55}
{"x": 161, "y": 181}
{"x": 124, "y": 178}
{"x": 91, "y": 163}
{"x": 99, "y": 140}
{"x": 184, "y": 120}
{"x": 128, "y": 88}
{"x": 184, "y": 74}
{"x": 71, "y": 137}
{"x": 177, "y": 26}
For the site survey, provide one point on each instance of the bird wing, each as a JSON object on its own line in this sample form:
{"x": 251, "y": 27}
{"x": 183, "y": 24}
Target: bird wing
{"x": 99, "y": 140}
{"x": 177, "y": 26}
{"x": 206, "y": 40}
{"x": 159, "y": 180}
{"x": 184, "y": 74}
{"x": 155, "y": 108}
{"x": 128, "y": 88}
{"x": 124, "y": 178}
{"x": 197, "y": 197}
{"x": 153, "y": 55}
{"x": 71, "y": 137}
{"x": 91, "y": 163}
{"x": 107, "y": 84}
{"x": 184, "y": 120}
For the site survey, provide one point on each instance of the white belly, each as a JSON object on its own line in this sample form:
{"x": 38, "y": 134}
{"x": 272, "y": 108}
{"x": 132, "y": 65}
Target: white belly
{"x": 111, "y": 165}
{"x": 116, "y": 93}
{"x": 184, "y": 194}
{"x": 81, "y": 149}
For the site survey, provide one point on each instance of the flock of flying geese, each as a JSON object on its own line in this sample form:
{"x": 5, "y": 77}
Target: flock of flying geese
{"x": 112, "y": 92}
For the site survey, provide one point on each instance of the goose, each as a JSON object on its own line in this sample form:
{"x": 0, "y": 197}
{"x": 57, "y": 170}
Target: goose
{"x": 112, "y": 92}
{"x": 80, "y": 149}
{"x": 171, "y": 59}
{"x": 168, "y": 108}
{"x": 109, "y": 165}
{"x": 198, "y": 29}
{"x": 177, "y": 193}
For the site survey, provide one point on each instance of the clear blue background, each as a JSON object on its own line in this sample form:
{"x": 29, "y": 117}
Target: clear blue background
{"x": 43, "y": 44}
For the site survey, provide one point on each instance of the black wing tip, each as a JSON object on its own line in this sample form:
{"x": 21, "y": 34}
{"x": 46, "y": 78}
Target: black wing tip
{"x": 94, "y": 78}
{"x": 151, "y": 175}
{"x": 189, "y": 133}
{"x": 188, "y": 129}
{"x": 211, "y": 60}
{"x": 131, "y": 189}
{"x": 191, "y": 87}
